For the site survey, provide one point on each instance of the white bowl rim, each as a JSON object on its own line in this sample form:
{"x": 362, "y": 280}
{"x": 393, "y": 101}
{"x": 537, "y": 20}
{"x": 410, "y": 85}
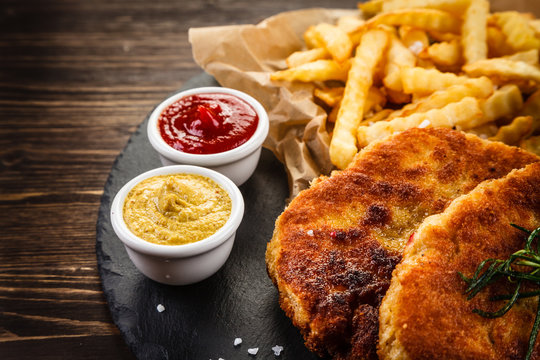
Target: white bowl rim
{"x": 185, "y": 250}
{"x": 222, "y": 158}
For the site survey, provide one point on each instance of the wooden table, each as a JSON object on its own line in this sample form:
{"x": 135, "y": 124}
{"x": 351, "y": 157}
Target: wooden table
{"x": 76, "y": 78}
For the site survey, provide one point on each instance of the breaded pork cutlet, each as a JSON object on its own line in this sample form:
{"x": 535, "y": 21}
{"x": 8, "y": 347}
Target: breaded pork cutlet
{"x": 425, "y": 313}
{"x": 335, "y": 246}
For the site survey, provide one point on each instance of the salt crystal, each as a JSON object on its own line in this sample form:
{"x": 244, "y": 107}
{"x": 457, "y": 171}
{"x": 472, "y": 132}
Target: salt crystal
{"x": 424, "y": 124}
{"x": 310, "y": 232}
{"x": 277, "y": 350}
{"x": 160, "y": 308}
{"x": 237, "y": 341}
{"x": 416, "y": 47}
{"x": 253, "y": 351}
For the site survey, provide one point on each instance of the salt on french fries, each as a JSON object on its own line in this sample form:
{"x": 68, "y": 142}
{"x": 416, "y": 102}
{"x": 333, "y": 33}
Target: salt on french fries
{"x": 422, "y": 81}
{"x": 426, "y": 19}
{"x": 503, "y": 69}
{"x": 520, "y": 35}
{"x": 302, "y": 57}
{"x": 416, "y": 40}
{"x": 335, "y": 40}
{"x": 503, "y": 103}
{"x": 514, "y": 132}
{"x": 368, "y": 54}
{"x": 464, "y": 114}
{"x": 319, "y": 70}
{"x": 474, "y": 31}
{"x": 421, "y": 63}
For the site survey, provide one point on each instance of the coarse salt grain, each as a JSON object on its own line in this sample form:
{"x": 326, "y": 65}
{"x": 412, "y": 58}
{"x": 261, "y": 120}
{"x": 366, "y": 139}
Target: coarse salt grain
{"x": 277, "y": 350}
{"x": 160, "y": 308}
{"x": 424, "y": 124}
{"x": 416, "y": 47}
{"x": 253, "y": 351}
{"x": 310, "y": 232}
{"x": 237, "y": 341}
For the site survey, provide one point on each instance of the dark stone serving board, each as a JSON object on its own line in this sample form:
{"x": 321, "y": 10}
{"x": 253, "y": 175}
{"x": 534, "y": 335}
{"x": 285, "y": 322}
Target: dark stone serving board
{"x": 200, "y": 321}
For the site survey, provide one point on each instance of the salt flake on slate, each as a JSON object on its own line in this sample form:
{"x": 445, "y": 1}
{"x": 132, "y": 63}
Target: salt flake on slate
{"x": 253, "y": 351}
{"x": 160, "y": 308}
{"x": 277, "y": 350}
{"x": 237, "y": 341}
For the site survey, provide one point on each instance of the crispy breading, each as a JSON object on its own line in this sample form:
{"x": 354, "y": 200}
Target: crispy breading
{"x": 335, "y": 246}
{"x": 425, "y": 313}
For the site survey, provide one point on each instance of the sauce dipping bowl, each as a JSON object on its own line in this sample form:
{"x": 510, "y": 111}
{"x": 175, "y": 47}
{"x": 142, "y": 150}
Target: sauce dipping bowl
{"x": 179, "y": 264}
{"x": 238, "y": 164}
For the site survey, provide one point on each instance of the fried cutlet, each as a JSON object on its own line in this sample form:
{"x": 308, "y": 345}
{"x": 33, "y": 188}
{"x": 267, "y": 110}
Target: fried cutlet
{"x": 425, "y": 313}
{"x": 335, "y": 246}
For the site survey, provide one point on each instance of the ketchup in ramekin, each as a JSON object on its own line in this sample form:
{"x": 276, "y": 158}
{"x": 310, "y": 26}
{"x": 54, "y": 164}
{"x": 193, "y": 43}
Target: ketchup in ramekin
{"x": 207, "y": 123}
{"x": 219, "y": 128}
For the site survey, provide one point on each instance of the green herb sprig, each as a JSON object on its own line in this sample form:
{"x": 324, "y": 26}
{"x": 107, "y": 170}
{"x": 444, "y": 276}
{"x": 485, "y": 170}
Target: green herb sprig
{"x": 492, "y": 269}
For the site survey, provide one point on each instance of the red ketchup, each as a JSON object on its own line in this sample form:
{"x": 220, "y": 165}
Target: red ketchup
{"x": 207, "y": 123}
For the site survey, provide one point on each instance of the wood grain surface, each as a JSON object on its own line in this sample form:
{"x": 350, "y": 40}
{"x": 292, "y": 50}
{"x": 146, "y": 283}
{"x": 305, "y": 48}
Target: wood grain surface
{"x": 76, "y": 78}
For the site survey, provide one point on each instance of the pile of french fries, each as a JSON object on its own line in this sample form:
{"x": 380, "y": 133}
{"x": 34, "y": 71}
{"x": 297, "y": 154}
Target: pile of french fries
{"x": 423, "y": 63}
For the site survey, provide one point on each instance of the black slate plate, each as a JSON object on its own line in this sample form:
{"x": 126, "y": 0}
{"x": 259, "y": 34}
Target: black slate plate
{"x": 200, "y": 321}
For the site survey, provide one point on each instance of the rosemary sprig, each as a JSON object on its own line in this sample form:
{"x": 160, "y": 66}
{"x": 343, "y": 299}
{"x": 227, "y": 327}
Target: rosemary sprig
{"x": 491, "y": 270}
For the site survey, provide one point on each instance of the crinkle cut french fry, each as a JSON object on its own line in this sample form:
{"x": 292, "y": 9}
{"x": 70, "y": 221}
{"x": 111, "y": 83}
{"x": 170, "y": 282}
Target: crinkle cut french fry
{"x": 497, "y": 45}
{"x": 335, "y": 40}
{"x": 311, "y": 39}
{"x": 298, "y": 58}
{"x": 520, "y": 35}
{"x": 532, "y": 108}
{"x": 444, "y": 53}
{"x": 319, "y": 70}
{"x": 398, "y": 57}
{"x": 484, "y": 131}
{"x": 504, "y": 102}
{"x": 374, "y": 102}
{"x": 453, "y": 6}
{"x": 474, "y": 31}
{"x": 416, "y": 40}
{"x": 330, "y": 96}
{"x": 350, "y": 23}
{"x": 426, "y": 19}
{"x": 513, "y": 133}
{"x": 532, "y": 105}
{"x": 464, "y": 114}
{"x": 479, "y": 88}
{"x": 420, "y": 81}
{"x": 530, "y": 57}
{"x": 531, "y": 144}
{"x": 370, "y": 8}
{"x": 368, "y": 55}
{"x": 535, "y": 24}
{"x": 503, "y": 69}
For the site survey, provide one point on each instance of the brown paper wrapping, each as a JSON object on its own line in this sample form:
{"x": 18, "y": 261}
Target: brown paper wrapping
{"x": 243, "y": 56}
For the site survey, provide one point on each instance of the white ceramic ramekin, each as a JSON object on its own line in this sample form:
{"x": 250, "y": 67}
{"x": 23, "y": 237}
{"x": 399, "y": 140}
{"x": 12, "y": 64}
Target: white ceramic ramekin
{"x": 179, "y": 264}
{"x": 238, "y": 164}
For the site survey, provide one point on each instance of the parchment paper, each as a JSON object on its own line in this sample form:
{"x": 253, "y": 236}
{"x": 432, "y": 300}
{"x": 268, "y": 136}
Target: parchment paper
{"x": 243, "y": 56}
